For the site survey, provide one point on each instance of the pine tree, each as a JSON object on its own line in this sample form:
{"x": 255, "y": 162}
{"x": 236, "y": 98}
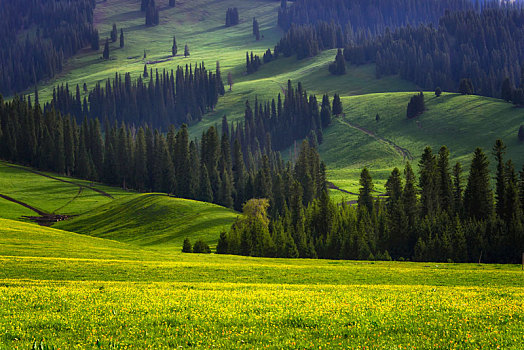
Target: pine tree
{"x": 186, "y": 51}
{"x": 339, "y": 66}
{"x": 325, "y": 112}
{"x": 186, "y": 247}
{"x": 394, "y": 187}
{"x": 105, "y": 54}
{"x": 429, "y": 196}
{"x": 499, "y": 149}
{"x": 256, "y": 29}
{"x": 478, "y": 197}
{"x": 457, "y": 189}
{"x": 409, "y": 196}
{"x": 365, "y": 197}
{"x": 222, "y": 245}
{"x": 445, "y": 186}
{"x": 146, "y": 72}
{"x": 205, "y": 192}
{"x": 114, "y": 33}
{"x": 121, "y": 38}
{"x": 174, "y": 48}
{"x": 337, "y": 105}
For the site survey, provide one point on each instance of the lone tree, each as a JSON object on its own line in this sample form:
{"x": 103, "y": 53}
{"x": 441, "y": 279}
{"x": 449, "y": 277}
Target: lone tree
{"x": 416, "y": 106}
{"x": 521, "y": 133}
{"x": 438, "y": 91}
{"x": 256, "y": 29}
{"x": 105, "y": 54}
{"x": 174, "y": 48}
{"x": 95, "y": 41}
{"x": 186, "y": 51}
{"x": 230, "y": 81}
{"x": 121, "y": 38}
{"x": 186, "y": 248}
{"x": 114, "y": 33}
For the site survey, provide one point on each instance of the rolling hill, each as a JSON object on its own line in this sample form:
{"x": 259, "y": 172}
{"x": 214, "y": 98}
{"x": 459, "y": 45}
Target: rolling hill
{"x": 153, "y": 220}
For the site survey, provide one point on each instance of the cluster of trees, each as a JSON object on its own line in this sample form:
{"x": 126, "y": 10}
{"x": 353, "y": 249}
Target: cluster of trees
{"x": 200, "y": 247}
{"x": 278, "y": 124}
{"x": 484, "y": 47}
{"x": 38, "y": 36}
{"x": 152, "y": 13}
{"x": 168, "y": 98}
{"x": 339, "y": 66}
{"x": 253, "y": 62}
{"x": 433, "y": 219}
{"x": 232, "y": 18}
{"x": 416, "y": 106}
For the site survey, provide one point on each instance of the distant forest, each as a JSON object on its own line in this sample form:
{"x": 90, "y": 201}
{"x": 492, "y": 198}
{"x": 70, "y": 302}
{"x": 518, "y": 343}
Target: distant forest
{"x": 436, "y": 45}
{"x": 38, "y": 36}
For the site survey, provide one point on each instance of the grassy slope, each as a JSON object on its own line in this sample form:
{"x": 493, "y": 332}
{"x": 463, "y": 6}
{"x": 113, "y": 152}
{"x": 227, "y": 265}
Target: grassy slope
{"x": 47, "y": 194}
{"x": 153, "y": 220}
{"x": 73, "y": 290}
{"x": 459, "y": 122}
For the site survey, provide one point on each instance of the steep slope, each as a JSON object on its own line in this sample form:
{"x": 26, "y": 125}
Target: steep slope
{"x": 153, "y": 220}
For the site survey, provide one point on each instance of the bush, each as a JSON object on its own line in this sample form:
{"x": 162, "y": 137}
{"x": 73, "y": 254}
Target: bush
{"x": 201, "y": 247}
{"x": 186, "y": 248}
{"x": 438, "y": 91}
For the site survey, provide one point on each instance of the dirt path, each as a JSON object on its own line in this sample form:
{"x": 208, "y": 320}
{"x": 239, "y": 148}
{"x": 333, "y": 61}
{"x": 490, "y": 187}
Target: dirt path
{"x": 38, "y": 211}
{"x": 105, "y": 194}
{"x": 404, "y": 153}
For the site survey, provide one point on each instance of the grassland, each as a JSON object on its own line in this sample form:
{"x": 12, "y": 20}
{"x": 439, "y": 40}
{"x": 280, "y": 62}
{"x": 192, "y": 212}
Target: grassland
{"x": 96, "y": 293}
{"x": 49, "y": 193}
{"x": 154, "y": 220}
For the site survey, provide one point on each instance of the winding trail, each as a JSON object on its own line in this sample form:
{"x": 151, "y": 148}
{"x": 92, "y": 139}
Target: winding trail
{"x": 404, "y": 153}
{"x": 11, "y": 199}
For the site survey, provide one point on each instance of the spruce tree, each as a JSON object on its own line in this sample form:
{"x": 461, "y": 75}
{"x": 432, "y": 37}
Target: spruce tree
{"x": 105, "y": 54}
{"x": 445, "y": 186}
{"x": 499, "y": 149}
{"x": 365, "y": 197}
{"x": 409, "y": 196}
{"x": 478, "y": 197}
{"x": 186, "y": 51}
{"x": 121, "y": 38}
{"x": 429, "y": 196}
{"x": 457, "y": 189}
{"x": 337, "y": 105}
{"x": 186, "y": 247}
{"x": 325, "y": 112}
{"x": 174, "y": 48}
{"x": 256, "y": 29}
{"x": 114, "y": 33}
{"x": 394, "y": 186}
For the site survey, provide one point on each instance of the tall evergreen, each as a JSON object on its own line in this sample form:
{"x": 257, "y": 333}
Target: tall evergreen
{"x": 174, "y": 48}
{"x": 105, "y": 54}
{"x": 478, "y": 197}
{"x": 122, "y": 43}
{"x": 365, "y": 197}
{"x": 499, "y": 149}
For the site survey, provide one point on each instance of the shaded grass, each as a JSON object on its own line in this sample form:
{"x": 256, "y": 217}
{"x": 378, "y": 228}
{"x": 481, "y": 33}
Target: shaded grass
{"x": 154, "y": 220}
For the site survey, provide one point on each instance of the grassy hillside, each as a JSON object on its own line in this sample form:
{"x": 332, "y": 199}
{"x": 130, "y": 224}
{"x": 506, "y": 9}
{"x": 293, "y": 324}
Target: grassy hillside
{"x": 153, "y": 220}
{"x": 49, "y": 193}
{"x": 75, "y": 291}
{"x": 30, "y": 240}
{"x": 459, "y": 122}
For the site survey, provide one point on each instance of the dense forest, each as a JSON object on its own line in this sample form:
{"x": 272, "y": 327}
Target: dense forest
{"x": 38, "y": 36}
{"x": 165, "y": 98}
{"x": 437, "y": 218}
{"x": 226, "y": 169}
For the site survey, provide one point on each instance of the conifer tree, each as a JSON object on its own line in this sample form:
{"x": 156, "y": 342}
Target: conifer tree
{"x": 256, "y": 29}
{"x": 457, "y": 189}
{"x": 325, "y": 112}
{"x": 205, "y": 192}
{"x": 444, "y": 182}
{"x": 499, "y": 149}
{"x": 121, "y": 38}
{"x": 105, "y": 54}
{"x": 186, "y": 51}
{"x": 114, "y": 33}
{"x": 478, "y": 197}
{"x": 95, "y": 41}
{"x": 409, "y": 196}
{"x": 506, "y": 90}
{"x": 174, "y": 48}
{"x": 365, "y": 197}
{"x": 337, "y": 105}
{"x": 186, "y": 247}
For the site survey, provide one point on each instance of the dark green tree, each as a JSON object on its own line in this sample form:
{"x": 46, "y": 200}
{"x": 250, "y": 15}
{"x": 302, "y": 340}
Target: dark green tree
{"x": 186, "y": 247}
{"x": 478, "y": 197}
{"x": 337, "y": 105}
{"x": 174, "y": 48}
{"x": 105, "y": 54}
{"x": 499, "y": 149}
{"x": 122, "y": 38}
{"x": 114, "y": 33}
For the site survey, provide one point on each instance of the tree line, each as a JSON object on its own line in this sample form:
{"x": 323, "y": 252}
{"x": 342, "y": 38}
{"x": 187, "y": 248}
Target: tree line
{"x": 437, "y": 218}
{"x": 167, "y": 98}
{"x": 226, "y": 168}
{"x": 61, "y": 28}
